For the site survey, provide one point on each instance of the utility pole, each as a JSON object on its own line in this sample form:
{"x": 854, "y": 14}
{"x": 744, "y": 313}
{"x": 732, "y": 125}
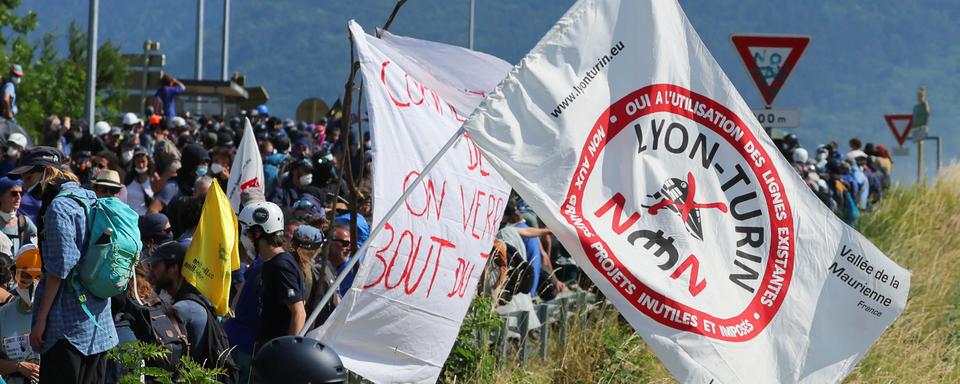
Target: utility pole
{"x": 225, "y": 49}
{"x": 92, "y": 63}
{"x": 198, "y": 65}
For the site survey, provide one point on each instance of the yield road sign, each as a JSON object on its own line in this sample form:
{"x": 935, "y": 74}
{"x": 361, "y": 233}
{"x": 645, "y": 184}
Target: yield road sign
{"x": 892, "y": 123}
{"x": 769, "y": 59}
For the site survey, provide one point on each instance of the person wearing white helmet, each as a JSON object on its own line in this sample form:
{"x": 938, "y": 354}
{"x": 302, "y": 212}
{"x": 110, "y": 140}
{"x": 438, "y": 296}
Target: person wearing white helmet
{"x": 16, "y": 143}
{"x": 282, "y": 311}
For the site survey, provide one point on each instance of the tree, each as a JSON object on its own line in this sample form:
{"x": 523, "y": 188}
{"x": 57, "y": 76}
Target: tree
{"x": 53, "y": 84}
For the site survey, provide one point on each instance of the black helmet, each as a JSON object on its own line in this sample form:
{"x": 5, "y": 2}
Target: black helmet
{"x": 294, "y": 359}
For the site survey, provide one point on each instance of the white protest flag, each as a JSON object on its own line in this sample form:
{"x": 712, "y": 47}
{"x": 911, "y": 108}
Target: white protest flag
{"x": 669, "y": 195}
{"x": 401, "y": 317}
{"x": 247, "y": 169}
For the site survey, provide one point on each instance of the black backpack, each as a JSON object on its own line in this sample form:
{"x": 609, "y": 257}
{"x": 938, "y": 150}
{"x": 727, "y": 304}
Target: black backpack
{"x": 151, "y": 324}
{"x": 216, "y": 354}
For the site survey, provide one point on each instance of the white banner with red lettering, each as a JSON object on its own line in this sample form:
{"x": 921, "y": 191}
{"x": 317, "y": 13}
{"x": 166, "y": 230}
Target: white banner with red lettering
{"x": 666, "y": 190}
{"x": 399, "y": 320}
{"x": 247, "y": 169}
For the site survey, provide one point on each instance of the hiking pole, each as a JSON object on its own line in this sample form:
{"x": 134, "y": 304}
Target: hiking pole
{"x": 379, "y": 227}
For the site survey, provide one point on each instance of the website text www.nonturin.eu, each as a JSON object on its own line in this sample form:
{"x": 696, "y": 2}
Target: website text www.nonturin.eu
{"x": 587, "y": 78}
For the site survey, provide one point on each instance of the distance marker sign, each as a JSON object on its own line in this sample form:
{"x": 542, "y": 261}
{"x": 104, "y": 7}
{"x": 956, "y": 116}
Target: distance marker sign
{"x": 769, "y": 59}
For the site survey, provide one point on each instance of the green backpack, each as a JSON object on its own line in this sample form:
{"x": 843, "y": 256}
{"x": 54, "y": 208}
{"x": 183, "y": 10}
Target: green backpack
{"x": 113, "y": 248}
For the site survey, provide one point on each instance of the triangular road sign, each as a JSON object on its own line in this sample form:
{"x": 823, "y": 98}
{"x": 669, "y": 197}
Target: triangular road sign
{"x": 901, "y": 136}
{"x": 769, "y": 59}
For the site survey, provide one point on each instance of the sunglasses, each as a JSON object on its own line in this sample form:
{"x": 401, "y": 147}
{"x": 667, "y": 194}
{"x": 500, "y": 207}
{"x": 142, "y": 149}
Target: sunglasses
{"x": 341, "y": 242}
{"x": 16, "y": 193}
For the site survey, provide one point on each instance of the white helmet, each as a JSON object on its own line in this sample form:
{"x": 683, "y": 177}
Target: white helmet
{"x": 101, "y": 128}
{"x": 179, "y": 121}
{"x": 131, "y": 119}
{"x": 19, "y": 139}
{"x": 265, "y": 214}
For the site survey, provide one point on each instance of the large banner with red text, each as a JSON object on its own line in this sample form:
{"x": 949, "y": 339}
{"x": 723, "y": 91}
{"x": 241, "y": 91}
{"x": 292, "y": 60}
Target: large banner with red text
{"x": 401, "y": 317}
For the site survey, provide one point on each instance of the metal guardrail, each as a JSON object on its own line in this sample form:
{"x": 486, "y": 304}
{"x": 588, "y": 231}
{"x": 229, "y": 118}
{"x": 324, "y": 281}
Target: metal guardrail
{"x": 515, "y": 325}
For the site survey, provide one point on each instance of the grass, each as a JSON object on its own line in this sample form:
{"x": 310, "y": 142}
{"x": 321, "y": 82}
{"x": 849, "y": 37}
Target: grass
{"x": 917, "y": 226}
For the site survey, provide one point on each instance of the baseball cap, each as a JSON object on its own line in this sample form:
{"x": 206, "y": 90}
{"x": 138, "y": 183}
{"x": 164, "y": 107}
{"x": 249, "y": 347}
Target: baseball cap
{"x": 17, "y": 138}
{"x": 171, "y": 252}
{"x": 308, "y": 237}
{"x": 6, "y": 184}
{"x": 36, "y": 156}
{"x": 16, "y": 70}
{"x": 108, "y": 178}
{"x": 152, "y": 226}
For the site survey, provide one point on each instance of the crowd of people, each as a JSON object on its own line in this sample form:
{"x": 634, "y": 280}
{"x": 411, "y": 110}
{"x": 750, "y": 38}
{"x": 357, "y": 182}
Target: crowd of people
{"x": 296, "y": 235}
{"x": 847, "y": 181}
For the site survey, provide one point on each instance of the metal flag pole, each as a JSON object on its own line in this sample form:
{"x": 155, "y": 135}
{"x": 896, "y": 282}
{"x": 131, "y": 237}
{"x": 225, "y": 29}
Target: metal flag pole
{"x": 198, "y": 63}
{"x": 473, "y": 6}
{"x": 376, "y": 230}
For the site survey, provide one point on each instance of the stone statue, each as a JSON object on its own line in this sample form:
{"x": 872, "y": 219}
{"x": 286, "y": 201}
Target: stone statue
{"x": 921, "y": 113}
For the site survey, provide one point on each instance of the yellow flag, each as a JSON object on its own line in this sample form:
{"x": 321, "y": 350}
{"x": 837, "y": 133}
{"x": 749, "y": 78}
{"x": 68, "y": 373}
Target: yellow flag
{"x": 214, "y": 251}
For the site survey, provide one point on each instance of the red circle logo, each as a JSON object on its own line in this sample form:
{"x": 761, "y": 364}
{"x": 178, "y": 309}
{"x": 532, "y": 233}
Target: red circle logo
{"x": 682, "y": 210}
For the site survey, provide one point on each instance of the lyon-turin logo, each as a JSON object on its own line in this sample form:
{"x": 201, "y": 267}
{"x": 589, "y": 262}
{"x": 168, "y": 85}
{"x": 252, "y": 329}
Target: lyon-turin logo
{"x": 682, "y": 210}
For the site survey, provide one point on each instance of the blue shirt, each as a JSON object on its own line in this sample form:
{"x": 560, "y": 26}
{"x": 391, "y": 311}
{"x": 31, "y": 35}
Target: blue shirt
{"x": 533, "y": 256}
{"x": 64, "y": 235}
{"x": 363, "y": 231}
{"x": 242, "y": 328}
{"x": 167, "y": 94}
{"x": 8, "y": 88}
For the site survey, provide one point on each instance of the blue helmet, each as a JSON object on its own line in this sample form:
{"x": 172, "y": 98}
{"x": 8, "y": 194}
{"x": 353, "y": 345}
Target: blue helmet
{"x": 262, "y": 110}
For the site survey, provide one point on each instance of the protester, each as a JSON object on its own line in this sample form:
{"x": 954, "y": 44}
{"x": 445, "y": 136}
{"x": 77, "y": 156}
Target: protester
{"x": 8, "y": 106}
{"x": 16, "y": 142}
{"x": 107, "y": 184}
{"x": 17, "y": 227}
{"x": 154, "y": 230}
{"x": 71, "y": 336}
{"x": 18, "y": 362}
{"x": 165, "y": 97}
{"x": 339, "y": 254}
{"x": 317, "y": 274}
{"x": 139, "y": 184}
{"x": 282, "y": 309}
{"x": 192, "y": 309}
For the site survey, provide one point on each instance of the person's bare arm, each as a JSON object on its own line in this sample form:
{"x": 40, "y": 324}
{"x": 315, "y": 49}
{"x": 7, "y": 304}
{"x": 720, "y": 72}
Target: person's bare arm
{"x": 50, "y": 289}
{"x": 6, "y": 106}
{"x": 533, "y": 232}
{"x": 178, "y": 83}
{"x": 298, "y": 316}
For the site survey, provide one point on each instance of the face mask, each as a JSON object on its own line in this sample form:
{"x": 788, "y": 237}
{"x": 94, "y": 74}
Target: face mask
{"x": 12, "y": 152}
{"x": 140, "y": 170}
{"x": 216, "y": 168}
{"x": 202, "y": 171}
{"x": 33, "y": 190}
{"x": 26, "y": 294}
{"x": 7, "y": 216}
{"x": 17, "y": 79}
{"x": 127, "y": 156}
{"x": 306, "y": 179}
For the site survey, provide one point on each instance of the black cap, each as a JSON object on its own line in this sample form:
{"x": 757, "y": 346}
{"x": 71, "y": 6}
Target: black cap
{"x": 151, "y": 225}
{"x": 36, "y": 156}
{"x": 171, "y": 252}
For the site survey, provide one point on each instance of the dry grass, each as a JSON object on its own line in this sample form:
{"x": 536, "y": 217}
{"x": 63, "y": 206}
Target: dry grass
{"x": 919, "y": 227}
